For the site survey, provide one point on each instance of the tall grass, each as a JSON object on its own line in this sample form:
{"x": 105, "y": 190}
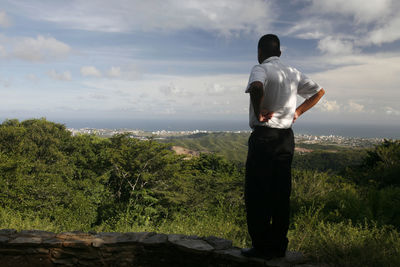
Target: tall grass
{"x": 343, "y": 243}
{"x": 10, "y": 219}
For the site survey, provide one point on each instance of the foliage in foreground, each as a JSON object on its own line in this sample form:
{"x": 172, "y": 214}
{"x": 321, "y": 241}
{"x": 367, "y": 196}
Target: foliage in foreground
{"x": 53, "y": 181}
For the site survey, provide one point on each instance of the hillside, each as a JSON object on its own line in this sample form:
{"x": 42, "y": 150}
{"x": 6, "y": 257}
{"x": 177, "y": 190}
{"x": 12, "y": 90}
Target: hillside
{"x": 320, "y": 155}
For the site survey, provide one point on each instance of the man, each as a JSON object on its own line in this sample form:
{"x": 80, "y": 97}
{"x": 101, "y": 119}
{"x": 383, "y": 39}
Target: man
{"x": 273, "y": 87}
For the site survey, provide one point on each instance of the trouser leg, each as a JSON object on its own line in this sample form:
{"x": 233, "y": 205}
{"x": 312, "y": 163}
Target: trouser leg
{"x": 267, "y": 187}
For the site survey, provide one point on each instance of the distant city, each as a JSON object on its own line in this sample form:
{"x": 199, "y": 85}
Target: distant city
{"x": 166, "y": 134}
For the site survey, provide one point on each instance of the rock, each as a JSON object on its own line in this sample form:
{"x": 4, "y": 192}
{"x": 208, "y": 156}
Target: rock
{"x": 65, "y": 262}
{"x": 76, "y": 243}
{"x": 52, "y": 242}
{"x": 232, "y": 253}
{"x": 7, "y": 231}
{"x": 97, "y": 242}
{"x": 295, "y": 257}
{"x": 155, "y": 239}
{"x": 26, "y": 241}
{"x": 37, "y": 233}
{"x": 74, "y": 234}
{"x": 218, "y": 243}
{"x": 133, "y": 237}
{"x": 194, "y": 245}
{"x": 174, "y": 237}
{"x": 4, "y": 239}
{"x": 108, "y": 238}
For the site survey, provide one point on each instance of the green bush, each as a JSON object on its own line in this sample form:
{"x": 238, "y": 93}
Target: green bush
{"x": 385, "y": 205}
{"x": 338, "y": 199}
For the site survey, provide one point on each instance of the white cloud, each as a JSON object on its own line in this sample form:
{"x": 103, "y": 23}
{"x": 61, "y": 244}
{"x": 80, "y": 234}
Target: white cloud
{"x": 90, "y": 71}
{"x": 129, "y": 72}
{"x": 362, "y": 11}
{"x": 5, "y": 82}
{"x": 374, "y": 76}
{"x": 392, "y": 111}
{"x": 186, "y": 95}
{"x": 61, "y": 76}
{"x": 330, "y": 106}
{"x": 224, "y": 16}
{"x": 385, "y": 33}
{"x": 114, "y": 72}
{"x": 5, "y": 21}
{"x": 354, "y": 106}
{"x": 32, "y": 77}
{"x": 216, "y": 89}
{"x": 3, "y": 52}
{"x": 40, "y": 49}
{"x": 331, "y": 45}
{"x": 353, "y": 23}
{"x": 173, "y": 90}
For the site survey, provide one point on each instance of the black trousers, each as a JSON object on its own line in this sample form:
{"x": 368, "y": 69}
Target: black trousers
{"x": 267, "y": 187}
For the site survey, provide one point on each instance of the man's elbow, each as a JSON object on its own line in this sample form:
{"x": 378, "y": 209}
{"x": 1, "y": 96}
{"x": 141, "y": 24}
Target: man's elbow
{"x": 321, "y": 92}
{"x": 256, "y": 89}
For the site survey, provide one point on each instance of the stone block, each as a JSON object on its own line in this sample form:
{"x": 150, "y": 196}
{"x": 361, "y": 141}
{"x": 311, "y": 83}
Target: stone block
{"x": 175, "y": 237}
{"x": 41, "y": 251}
{"x": 52, "y": 242}
{"x": 295, "y": 257}
{"x": 232, "y": 253}
{"x": 7, "y": 231}
{"x": 76, "y": 243}
{"x": 155, "y": 239}
{"x": 193, "y": 245}
{"x": 108, "y": 238}
{"x": 65, "y": 261}
{"x": 134, "y": 237}
{"x": 74, "y": 235}
{"x": 11, "y": 251}
{"x": 26, "y": 241}
{"x": 98, "y": 242}
{"x": 4, "y": 239}
{"x": 59, "y": 253}
{"x": 218, "y": 243}
{"x": 36, "y": 233}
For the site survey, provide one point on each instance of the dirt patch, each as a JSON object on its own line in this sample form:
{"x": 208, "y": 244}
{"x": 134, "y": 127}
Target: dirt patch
{"x": 303, "y": 150}
{"x": 184, "y": 151}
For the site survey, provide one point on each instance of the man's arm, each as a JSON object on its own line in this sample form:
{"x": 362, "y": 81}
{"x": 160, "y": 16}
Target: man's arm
{"x": 307, "y": 104}
{"x": 257, "y": 95}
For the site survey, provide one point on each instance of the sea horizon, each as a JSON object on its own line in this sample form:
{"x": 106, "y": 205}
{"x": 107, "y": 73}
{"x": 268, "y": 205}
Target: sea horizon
{"x": 345, "y": 130}
{"x": 316, "y": 128}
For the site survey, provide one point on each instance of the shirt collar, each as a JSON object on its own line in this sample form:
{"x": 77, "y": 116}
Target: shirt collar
{"x": 270, "y": 59}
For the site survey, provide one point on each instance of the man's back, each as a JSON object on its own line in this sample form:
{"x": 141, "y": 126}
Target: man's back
{"x": 281, "y": 85}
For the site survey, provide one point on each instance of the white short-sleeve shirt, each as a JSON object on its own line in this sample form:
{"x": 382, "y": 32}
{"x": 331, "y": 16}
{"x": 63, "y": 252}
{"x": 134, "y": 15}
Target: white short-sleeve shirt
{"x": 281, "y": 85}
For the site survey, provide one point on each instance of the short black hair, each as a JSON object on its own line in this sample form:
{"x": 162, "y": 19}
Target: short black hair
{"x": 270, "y": 45}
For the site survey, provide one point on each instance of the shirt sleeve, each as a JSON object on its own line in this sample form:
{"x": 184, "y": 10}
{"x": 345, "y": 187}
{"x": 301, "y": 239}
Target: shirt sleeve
{"x": 307, "y": 87}
{"x": 258, "y": 74}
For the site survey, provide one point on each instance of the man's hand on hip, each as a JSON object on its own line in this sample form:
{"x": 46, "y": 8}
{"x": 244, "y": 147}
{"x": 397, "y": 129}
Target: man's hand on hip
{"x": 265, "y": 115}
{"x": 296, "y": 115}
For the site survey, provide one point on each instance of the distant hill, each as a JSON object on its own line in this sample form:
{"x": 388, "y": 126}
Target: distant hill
{"x": 320, "y": 156}
{"x": 232, "y": 146}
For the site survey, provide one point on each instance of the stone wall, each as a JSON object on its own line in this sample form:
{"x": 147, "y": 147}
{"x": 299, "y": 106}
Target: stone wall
{"x": 40, "y": 248}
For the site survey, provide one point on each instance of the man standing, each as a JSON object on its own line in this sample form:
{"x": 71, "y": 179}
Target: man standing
{"x": 273, "y": 87}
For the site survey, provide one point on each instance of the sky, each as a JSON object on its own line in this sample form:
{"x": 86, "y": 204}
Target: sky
{"x": 190, "y": 60}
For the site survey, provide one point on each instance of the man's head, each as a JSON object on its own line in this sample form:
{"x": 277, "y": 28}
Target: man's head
{"x": 268, "y": 46}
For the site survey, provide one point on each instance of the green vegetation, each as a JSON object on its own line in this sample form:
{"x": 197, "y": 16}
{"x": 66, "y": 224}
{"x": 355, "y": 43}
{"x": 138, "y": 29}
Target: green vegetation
{"x": 345, "y": 205}
{"x": 232, "y": 146}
